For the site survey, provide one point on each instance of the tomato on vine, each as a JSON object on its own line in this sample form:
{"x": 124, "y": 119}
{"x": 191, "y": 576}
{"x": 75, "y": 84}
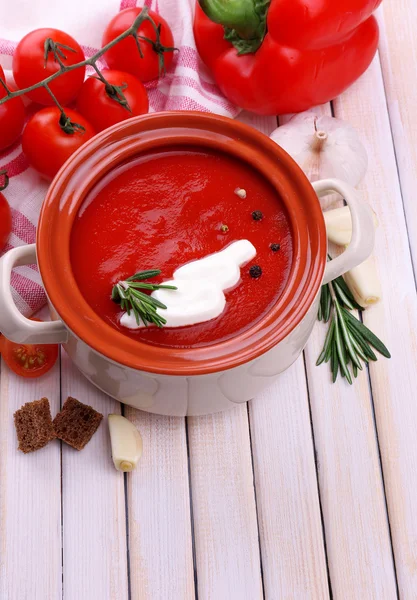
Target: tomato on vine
{"x": 156, "y": 44}
{"x": 50, "y": 137}
{"x": 12, "y": 117}
{"x": 5, "y": 214}
{"x": 39, "y": 55}
{"x": 104, "y": 105}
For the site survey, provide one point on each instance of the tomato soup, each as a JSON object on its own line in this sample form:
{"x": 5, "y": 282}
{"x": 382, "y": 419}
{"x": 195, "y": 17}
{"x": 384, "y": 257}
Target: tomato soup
{"x": 165, "y": 209}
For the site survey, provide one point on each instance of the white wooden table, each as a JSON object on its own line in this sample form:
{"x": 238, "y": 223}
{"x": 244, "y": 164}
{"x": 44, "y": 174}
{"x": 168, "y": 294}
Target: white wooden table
{"x": 309, "y": 492}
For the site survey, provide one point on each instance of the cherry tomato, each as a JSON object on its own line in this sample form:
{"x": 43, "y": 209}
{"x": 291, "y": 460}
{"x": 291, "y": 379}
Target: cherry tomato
{"x": 28, "y": 360}
{"x": 46, "y": 145}
{"x": 5, "y": 214}
{"x": 99, "y": 106}
{"x": 12, "y": 118}
{"x": 125, "y": 55}
{"x": 29, "y": 65}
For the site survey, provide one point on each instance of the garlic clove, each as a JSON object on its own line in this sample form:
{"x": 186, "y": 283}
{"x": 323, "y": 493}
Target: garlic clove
{"x": 364, "y": 284}
{"x": 339, "y": 225}
{"x": 126, "y": 443}
{"x": 324, "y": 147}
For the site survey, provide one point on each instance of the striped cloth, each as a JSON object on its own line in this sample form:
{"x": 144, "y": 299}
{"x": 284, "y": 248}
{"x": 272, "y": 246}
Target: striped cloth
{"x": 187, "y": 86}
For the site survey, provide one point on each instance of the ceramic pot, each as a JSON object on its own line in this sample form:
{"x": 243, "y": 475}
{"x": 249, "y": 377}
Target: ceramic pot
{"x": 182, "y": 381}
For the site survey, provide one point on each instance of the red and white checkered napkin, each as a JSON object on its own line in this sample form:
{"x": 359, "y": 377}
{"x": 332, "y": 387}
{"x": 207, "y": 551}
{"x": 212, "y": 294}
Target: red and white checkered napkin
{"x": 187, "y": 86}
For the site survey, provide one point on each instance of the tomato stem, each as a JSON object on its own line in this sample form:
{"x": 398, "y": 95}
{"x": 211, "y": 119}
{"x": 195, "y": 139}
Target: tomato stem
{"x": 117, "y": 91}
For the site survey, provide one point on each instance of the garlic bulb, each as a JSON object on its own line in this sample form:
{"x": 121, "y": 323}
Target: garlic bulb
{"x": 323, "y": 147}
{"x": 339, "y": 225}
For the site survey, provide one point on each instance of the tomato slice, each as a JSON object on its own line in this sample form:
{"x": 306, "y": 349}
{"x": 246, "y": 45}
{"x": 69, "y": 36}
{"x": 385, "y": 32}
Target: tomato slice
{"x": 28, "y": 360}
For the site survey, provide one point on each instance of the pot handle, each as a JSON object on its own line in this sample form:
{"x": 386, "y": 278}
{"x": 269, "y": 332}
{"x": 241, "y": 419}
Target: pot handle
{"x": 363, "y": 230}
{"x": 13, "y": 324}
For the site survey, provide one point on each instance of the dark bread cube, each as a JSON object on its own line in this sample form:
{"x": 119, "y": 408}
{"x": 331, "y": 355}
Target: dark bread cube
{"x": 34, "y": 426}
{"x": 76, "y": 423}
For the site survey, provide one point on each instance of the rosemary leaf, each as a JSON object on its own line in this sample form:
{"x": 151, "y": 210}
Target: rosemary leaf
{"x": 334, "y": 362}
{"x": 344, "y": 300}
{"x": 341, "y": 351}
{"x": 367, "y": 334}
{"x": 328, "y": 305}
{"x": 327, "y": 345}
{"x": 370, "y": 354}
{"x": 144, "y": 275}
{"x": 346, "y": 336}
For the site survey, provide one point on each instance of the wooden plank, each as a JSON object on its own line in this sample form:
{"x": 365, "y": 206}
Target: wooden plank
{"x": 290, "y": 528}
{"x": 30, "y": 497}
{"x": 394, "y": 382}
{"x": 160, "y": 539}
{"x": 398, "y": 52}
{"x": 94, "y": 520}
{"x": 352, "y": 495}
{"x": 225, "y": 525}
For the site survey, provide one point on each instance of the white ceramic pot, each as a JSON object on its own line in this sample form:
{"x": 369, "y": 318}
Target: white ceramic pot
{"x": 227, "y": 374}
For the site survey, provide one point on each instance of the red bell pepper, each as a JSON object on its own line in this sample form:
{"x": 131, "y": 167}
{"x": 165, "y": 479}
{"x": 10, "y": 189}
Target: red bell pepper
{"x": 282, "y": 56}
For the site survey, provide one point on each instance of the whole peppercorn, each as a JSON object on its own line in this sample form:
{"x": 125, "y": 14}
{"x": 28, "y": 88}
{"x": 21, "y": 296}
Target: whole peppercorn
{"x": 255, "y": 271}
{"x": 275, "y": 247}
{"x": 257, "y": 215}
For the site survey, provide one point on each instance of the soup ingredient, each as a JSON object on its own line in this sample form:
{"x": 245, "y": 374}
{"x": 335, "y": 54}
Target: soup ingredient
{"x": 224, "y": 228}
{"x": 5, "y": 213}
{"x": 339, "y": 225}
{"x": 104, "y": 104}
{"x": 241, "y": 193}
{"x": 364, "y": 283}
{"x": 33, "y": 423}
{"x": 348, "y": 340}
{"x": 198, "y": 296}
{"x": 50, "y": 137}
{"x": 144, "y": 306}
{"x": 40, "y": 54}
{"x": 126, "y": 443}
{"x": 363, "y": 280}
{"x": 76, "y": 423}
{"x": 255, "y": 271}
{"x": 12, "y": 117}
{"x": 155, "y": 52}
{"x": 282, "y": 56}
{"x": 257, "y": 215}
{"x": 275, "y": 247}
{"x": 324, "y": 147}
{"x": 28, "y": 360}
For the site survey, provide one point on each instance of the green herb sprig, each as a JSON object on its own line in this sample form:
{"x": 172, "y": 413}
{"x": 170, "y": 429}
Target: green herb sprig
{"x": 348, "y": 340}
{"x": 127, "y": 294}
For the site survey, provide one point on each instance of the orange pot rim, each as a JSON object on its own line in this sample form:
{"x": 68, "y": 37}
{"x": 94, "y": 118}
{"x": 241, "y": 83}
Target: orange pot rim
{"x": 162, "y": 130}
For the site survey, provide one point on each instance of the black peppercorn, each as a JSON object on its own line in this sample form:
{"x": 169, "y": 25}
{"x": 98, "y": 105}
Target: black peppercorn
{"x": 275, "y": 247}
{"x": 255, "y": 271}
{"x": 257, "y": 215}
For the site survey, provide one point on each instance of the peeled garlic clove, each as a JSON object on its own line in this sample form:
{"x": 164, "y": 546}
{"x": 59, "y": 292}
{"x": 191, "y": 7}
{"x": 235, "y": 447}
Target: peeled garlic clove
{"x": 126, "y": 443}
{"x": 339, "y": 225}
{"x": 324, "y": 147}
{"x": 364, "y": 284}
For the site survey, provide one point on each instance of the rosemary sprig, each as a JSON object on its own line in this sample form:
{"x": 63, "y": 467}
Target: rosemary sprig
{"x": 127, "y": 294}
{"x": 348, "y": 340}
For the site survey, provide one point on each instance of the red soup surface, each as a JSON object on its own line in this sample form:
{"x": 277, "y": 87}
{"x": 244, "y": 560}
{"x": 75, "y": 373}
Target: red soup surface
{"x": 165, "y": 209}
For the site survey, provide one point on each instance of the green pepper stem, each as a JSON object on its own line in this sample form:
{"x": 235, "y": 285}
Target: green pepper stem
{"x": 236, "y": 14}
{"x": 244, "y": 21}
